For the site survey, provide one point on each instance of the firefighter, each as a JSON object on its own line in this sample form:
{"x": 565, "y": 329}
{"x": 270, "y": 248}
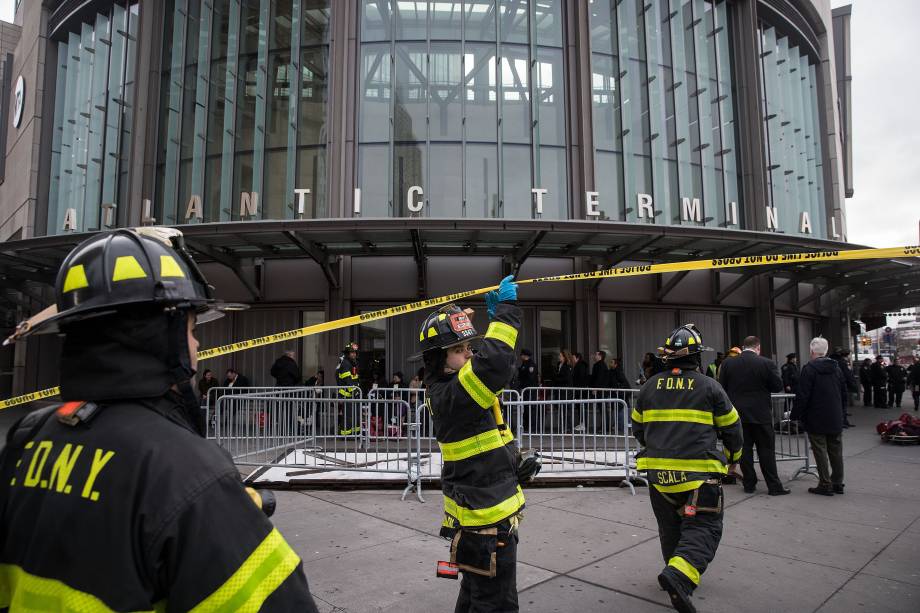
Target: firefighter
{"x": 482, "y": 470}
{"x": 680, "y": 415}
{"x": 115, "y": 501}
{"x": 346, "y": 377}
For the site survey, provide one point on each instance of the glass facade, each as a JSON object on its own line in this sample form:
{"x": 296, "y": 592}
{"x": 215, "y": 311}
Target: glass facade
{"x": 663, "y": 111}
{"x": 93, "y": 116}
{"x": 792, "y": 131}
{"x": 465, "y": 100}
{"x": 243, "y": 110}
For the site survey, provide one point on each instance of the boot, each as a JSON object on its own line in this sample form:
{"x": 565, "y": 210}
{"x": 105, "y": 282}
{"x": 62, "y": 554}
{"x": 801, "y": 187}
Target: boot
{"x": 680, "y": 597}
{"x": 821, "y": 490}
{"x": 838, "y": 488}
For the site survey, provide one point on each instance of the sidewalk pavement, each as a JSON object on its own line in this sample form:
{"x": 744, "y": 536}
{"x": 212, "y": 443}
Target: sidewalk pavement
{"x": 596, "y": 549}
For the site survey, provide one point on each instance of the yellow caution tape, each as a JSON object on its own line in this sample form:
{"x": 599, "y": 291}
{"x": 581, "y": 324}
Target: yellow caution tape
{"x": 623, "y": 271}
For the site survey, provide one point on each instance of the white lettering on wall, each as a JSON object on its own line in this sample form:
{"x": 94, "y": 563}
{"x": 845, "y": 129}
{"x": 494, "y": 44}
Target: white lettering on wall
{"x": 70, "y": 219}
{"x": 539, "y": 191}
{"x": 591, "y": 204}
{"x": 194, "y": 210}
{"x": 357, "y": 207}
{"x": 146, "y": 218}
{"x": 772, "y": 218}
{"x": 644, "y": 206}
{"x": 805, "y": 223}
{"x": 691, "y": 210}
{"x": 301, "y": 200}
{"x": 249, "y": 204}
{"x": 108, "y": 214}
{"x": 732, "y": 214}
{"x": 411, "y": 204}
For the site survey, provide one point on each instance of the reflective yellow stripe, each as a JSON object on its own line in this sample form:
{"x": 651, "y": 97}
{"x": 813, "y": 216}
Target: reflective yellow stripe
{"x": 727, "y": 419}
{"x": 685, "y": 568}
{"x": 735, "y": 456}
{"x": 469, "y": 447}
{"x": 686, "y": 415}
{"x": 20, "y": 590}
{"x": 680, "y": 487}
{"x": 127, "y": 267}
{"x": 477, "y": 390}
{"x": 345, "y": 375}
{"x": 485, "y": 517}
{"x": 169, "y": 267}
{"x": 263, "y": 571}
{"x": 75, "y": 279}
{"x": 503, "y": 332}
{"x": 700, "y": 466}
{"x": 636, "y": 416}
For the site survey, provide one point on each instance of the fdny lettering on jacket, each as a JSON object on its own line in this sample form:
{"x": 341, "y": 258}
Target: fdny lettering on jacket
{"x": 674, "y": 383}
{"x": 61, "y": 468}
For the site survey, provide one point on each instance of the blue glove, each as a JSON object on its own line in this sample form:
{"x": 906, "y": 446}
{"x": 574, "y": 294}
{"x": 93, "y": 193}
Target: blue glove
{"x": 506, "y": 292}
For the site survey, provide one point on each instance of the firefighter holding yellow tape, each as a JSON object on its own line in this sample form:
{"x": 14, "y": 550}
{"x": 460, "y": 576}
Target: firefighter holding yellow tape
{"x": 680, "y": 415}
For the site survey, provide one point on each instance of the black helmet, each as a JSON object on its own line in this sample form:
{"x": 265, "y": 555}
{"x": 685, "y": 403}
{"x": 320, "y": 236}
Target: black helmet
{"x": 683, "y": 341}
{"x": 125, "y": 268}
{"x": 445, "y": 327}
{"x": 350, "y": 347}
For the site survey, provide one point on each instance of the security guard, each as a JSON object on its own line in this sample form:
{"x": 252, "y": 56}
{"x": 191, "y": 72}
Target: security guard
{"x": 679, "y": 416}
{"x": 115, "y": 501}
{"x": 481, "y": 467}
{"x": 346, "y": 377}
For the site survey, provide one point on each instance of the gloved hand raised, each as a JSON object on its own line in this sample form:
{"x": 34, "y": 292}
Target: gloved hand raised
{"x": 506, "y": 292}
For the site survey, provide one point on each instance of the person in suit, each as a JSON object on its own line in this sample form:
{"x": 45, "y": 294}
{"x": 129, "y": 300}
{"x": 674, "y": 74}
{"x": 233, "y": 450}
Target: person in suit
{"x": 749, "y": 380}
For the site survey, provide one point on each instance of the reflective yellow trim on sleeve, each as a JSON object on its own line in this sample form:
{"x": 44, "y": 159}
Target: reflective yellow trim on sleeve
{"x": 685, "y": 568}
{"x": 685, "y": 415}
{"x": 728, "y": 419}
{"x": 345, "y": 375}
{"x": 502, "y": 332}
{"x": 488, "y": 516}
{"x": 699, "y": 466}
{"x": 680, "y": 487}
{"x": 22, "y": 591}
{"x": 472, "y": 446}
{"x": 263, "y": 571}
{"x": 735, "y": 456}
{"x": 75, "y": 279}
{"x": 169, "y": 267}
{"x": 477, "y": 390}
{"x": 636, "y": 416}
{"x": 127, "y": 267}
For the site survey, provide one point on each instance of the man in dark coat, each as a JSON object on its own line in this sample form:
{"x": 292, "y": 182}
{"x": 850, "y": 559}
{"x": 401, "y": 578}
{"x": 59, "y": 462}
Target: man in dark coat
{"x": 790, "y": 374}
{"x": 286, "y": 371}
{"x": 580, "y": 377}
{"x": 897, "y": 379}
{"x": 818, "y": 405}
{"x": 617, "y": 377}
{"x": 235, "y": 379}
{"x": 599, "y": 375}
{"x": 526, "y": 372}
{"x": 842, "y": 357}
{"x": 879, "y": 379}
{"x": 749, "y": 380}
{"x": 865, "y": 379}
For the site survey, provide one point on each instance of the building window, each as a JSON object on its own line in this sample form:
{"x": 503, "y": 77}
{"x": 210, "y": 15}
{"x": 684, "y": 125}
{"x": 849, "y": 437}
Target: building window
{"x": 793, "y": 136}
{"x": 93, "y": 116}
{"x": 465, "y": 100}
{"x": 244, "y": 86}
{"x": 663, "y": 111}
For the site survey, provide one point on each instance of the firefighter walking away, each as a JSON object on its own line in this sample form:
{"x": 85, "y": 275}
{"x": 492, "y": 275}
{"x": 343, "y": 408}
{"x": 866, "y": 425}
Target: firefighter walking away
{"x": 680, "y": 416}
{"x": 115, "y": 501}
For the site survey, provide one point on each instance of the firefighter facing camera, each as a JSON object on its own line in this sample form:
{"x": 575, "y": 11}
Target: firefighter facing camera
{"x": 477, "y": 447}
{"x": 164, "y": 521}
{"x": 680, "y": 416}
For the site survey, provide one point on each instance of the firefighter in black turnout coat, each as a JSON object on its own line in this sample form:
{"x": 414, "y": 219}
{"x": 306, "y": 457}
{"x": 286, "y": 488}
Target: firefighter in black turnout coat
{"x": 347, "y": 378}
{"x": 115, "y": 501}
{"x": 679, "y": 417}
{"x": 482, "y": 468}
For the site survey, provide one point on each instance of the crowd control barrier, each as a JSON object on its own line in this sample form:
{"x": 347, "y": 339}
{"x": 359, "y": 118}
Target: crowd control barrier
{"x": 791, "y": 440}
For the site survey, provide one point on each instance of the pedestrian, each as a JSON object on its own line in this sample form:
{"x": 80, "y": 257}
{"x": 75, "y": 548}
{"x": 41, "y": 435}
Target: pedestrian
{"x": 285, "y": 370}
{"x": 527, "y": 376}
{"x": 580, "y": 377}
{"x": 712, "y": 371}
{"x": 790, "y": 374}
{"x": 205, "y": 384}
{"x": 897, "y": 381}
{"x": 749, "y": 379}
{"x": 482, "y": 496}
{"x": 913, "y": 382}
{"x": 679, "y": 419}
{"x": 564, "y": 369}
{"x": 865, "y": 379}
{"x": 821, "y": 395}
{"x": 115, "y": 498}
{"x": 347, "y": 380}
{"x": 600, "y": 376}
{"x": 878, "y": 376}
{"x": 397, "y": 379}
{"x": 317, "y": 380}
{"x": 842, "y": 357}
{"x": 617, "y": 378}
{"x": 235, "y": 379}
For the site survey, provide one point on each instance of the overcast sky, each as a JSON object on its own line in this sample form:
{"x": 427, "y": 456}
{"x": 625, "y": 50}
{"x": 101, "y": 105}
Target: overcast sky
{"x": 885, "y": 210}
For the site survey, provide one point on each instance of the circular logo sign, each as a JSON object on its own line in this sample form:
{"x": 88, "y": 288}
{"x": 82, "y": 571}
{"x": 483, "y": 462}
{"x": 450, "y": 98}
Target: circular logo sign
{"x": 20, "y": 101}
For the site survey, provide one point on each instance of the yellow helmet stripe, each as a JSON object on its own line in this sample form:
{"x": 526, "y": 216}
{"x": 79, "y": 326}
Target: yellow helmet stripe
{"x": 127, "y": 267}
{"x": 75, "y": 279}
{"x": 169, "y": 267}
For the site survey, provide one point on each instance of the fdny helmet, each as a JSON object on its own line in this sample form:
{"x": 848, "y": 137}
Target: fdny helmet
{"x": 445, "y": 327}
{"x": 682, "y": 342}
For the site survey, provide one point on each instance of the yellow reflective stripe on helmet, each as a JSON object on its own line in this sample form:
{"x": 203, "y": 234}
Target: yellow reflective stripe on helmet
{"x": 263, "y": 571}
{"x": 636, "y": 416}
{"x": 169, "y": 267}
{"x": 700, "y": 466}
{"x": 20, "y": 590}
{"x": 685, "y": 568}
{"x": 687, "y": 415}
{"x": 75, "y": 279}
{"x": 727, "y": 419}
{"x": 680, "y": 487}
{"x": 432, "y": 331}
{"x": 502, "y": 332}
{"x": 477, "y": 390}
{"x": 127, "y": 267}
{"x": 488, "y": 516}
{"x": 469, "y": 447}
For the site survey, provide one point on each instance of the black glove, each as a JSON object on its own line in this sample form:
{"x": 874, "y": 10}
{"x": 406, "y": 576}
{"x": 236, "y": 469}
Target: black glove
{"x": 529, "y": 466}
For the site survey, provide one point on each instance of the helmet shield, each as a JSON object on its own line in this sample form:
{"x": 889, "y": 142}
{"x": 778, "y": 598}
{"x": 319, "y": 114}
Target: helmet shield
{"x": 446, "y": 327}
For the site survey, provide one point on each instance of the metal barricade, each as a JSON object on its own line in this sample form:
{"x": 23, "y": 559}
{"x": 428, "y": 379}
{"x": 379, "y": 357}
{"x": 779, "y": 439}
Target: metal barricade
{"x": 791, "y": 443}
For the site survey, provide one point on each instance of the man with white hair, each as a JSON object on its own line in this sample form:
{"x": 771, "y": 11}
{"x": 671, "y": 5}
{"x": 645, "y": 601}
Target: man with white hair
{"x": 819, "y": 404}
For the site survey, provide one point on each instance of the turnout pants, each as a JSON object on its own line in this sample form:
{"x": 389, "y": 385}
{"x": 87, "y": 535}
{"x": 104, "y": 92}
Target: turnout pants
{"x": 764, "y": 438}
{"x": 828, "y": 448}
{"x": 688, "y": 543}
{"x": 482, "y": 594}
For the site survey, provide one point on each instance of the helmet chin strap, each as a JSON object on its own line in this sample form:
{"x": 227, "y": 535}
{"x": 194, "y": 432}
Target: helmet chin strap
{"x": 180, "y": 368}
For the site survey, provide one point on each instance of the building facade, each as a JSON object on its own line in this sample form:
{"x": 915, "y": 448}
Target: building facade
{"x": 327, "y": 158}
